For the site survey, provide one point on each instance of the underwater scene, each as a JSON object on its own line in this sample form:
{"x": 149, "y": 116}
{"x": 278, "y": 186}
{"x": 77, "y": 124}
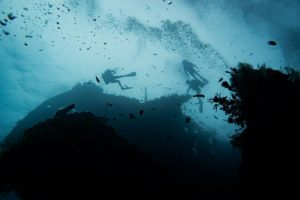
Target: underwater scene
{"x": 148, "y": 99}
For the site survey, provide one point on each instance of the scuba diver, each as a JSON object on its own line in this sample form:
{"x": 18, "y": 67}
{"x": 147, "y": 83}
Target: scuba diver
{"x": 196, "y": 85}
{"x": 190, "y": 70}
{"x": 109, "y": 77}
{"x": 197, "y": 81}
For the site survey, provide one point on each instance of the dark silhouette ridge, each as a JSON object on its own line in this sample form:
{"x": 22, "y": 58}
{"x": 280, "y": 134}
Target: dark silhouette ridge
{"x": 78, "y": 156}
{"x": 162, "y": 130}
{"x": 64, "y": 111}
{"x": 265, "y": 102}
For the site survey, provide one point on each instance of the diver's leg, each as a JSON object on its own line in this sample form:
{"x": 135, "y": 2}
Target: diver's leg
{"x": 194, "y": 75}
{"x": 200, "y": 106}
{"x": 126, "y": 75}
{"x": 187, "y": 74}
{"x": 187, "y": 92}
{"x": 121, "y": 76}
{"x": 205, "y": 81}
{"x": 200, "y": 101}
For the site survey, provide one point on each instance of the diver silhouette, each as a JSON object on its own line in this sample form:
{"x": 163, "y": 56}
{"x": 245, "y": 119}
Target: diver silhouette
{"x": 190, "y": 70}
{"x": 196, "y": 85}
{"x": 109, "y": 77}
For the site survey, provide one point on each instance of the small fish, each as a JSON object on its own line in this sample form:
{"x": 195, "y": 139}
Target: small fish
{"x": 188, "y": 120}
{"x": 97, "y": 79}
{"x": 141, "y": 112}
{"x": 11, "y": 16}
{"x": 216, "y": 117}
{"x": 5, "y": 32}
{"x": 110, "y": 105}
{"x": 199, "y": 95}
{"x": 272, "y": 43}
{"x": 131, "y": 116}
{"x": 170, "y": 2}
{"x": 225, "y": 84}
{"x": 220, "y": 80}
{"x": 2, "y": 23}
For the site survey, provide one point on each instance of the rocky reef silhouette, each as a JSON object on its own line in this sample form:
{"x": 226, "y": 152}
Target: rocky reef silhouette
{"x": 77, "y": 155}
{"x": 265, "y": 103}
{"x": 197, "y": 162}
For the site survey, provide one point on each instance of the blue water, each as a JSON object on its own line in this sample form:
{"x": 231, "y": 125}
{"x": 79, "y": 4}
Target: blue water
{"x": 53, "y": 45}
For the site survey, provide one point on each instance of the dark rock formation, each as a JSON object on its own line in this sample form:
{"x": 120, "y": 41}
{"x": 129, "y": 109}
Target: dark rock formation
{"x": 64, "y": 111}
{"x": 266, "y": 103}
{"x": 78, "y": 156}
{"x": 199, "y": 167}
